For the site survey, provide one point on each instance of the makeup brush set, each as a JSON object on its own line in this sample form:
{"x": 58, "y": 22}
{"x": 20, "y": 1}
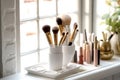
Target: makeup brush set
{"x": 89, "y": 53}
{"x": 63, "y": 26}
{"x": 61, "y": 51}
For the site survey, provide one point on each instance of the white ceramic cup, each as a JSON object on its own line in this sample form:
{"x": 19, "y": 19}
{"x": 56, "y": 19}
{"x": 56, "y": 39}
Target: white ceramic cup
{"x": 68, "y": 53}
{"x": 55, "y": 58}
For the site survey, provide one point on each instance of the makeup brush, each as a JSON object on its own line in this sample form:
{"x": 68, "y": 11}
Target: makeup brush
{"x": 104, "y": 37}
{"x": 109, "y": 38}
{"x": 81, "y": 56}
{"x": 65, "y": 37}
{"x": 63, "y": 34}
{"x": 66, "y": 19}
{"x": 88, "y": 53}
{"x": 60, "y": 23}
{"x": 70, "y": 43}
{"x": 95, "y": 52}
{"x": 73, "y": 33}
{"x": 66, "y": 22}
{"x": 46, "y": 29}
{"x": 85, "y": 33}
{"x": 98, "y": 51}
{"x": 55, "y": 33}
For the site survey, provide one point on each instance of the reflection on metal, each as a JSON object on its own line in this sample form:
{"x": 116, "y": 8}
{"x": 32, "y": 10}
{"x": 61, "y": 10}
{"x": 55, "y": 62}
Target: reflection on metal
{"x": 118, "y": 46}
{"x": 106, "y": 53}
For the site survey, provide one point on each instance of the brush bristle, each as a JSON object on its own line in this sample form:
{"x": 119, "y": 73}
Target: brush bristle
{"x": 55, "y": 30}
{"x": 67, "y": 32}
{"x": 75, "y": 25}
{"x": 59, "y": 21}
{"x": 46, "y": 28}
{"x": 63, "y": 33}
{"x": 66, "y": 19}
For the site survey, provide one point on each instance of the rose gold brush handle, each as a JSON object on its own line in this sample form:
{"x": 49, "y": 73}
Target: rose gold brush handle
{"x": 81, "y": 56}
{"x": 95, "y": 52}
{"x": 87, "y": 53}
{"x": 84, "y": 52}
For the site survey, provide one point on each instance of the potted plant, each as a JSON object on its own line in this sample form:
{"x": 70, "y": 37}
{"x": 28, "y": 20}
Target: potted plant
{"x": 112, "y": 21}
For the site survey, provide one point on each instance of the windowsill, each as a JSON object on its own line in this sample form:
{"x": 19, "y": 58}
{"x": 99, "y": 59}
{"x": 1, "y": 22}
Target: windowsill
{"x": 112, "y": 67}
{"x": 108, "y": 68}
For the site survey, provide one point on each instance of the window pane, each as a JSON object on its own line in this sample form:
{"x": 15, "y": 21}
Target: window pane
{"x": 100, "y": 10}
{"x": 28, "y": 60}
{"x": 87, "y": 22}
{"x": 74, "y": 18}
{"x": 47, "y": 8}
{"x": 44, "y": 55}
{"x": 65, "y": 6}
{"x": 28, "y": 9}
{"x": 28, "y": 36}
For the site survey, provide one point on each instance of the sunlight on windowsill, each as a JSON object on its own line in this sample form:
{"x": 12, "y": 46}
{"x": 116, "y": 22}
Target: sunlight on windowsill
{"x": 33, "y": 58}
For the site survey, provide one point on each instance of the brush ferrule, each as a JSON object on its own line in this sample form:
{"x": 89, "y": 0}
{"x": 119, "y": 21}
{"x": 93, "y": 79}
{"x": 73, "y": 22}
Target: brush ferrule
{"x": 49, "y": 37}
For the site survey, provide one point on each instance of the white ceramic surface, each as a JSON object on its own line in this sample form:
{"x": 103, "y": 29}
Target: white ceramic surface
{"x": 55, "y": 58}
{"x": 68, "y": 53}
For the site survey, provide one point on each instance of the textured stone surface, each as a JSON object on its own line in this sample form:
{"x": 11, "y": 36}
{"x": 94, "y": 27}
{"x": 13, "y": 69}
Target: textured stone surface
{"x": 8, "y": 27}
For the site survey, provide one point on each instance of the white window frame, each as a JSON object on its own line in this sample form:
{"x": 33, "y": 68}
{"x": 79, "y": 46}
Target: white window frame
{"x": 18, "y": 35}
{"x": 81, "y": 24}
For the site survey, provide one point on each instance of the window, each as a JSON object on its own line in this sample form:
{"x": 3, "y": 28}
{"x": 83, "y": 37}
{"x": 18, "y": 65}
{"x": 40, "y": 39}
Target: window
{"x": 99, "y": 11}
{"x": 36, "y": 13}
{"x": 33, "y": 15}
